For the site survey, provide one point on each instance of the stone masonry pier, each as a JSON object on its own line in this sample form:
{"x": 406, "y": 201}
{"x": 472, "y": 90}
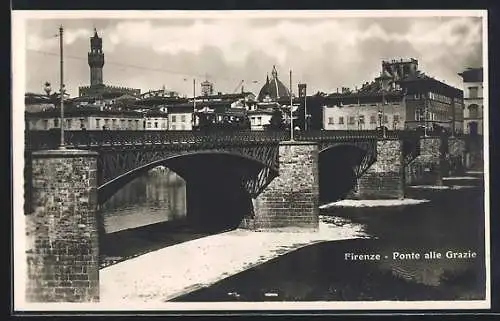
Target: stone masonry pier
{"x": 457, "y": 152}
{"x": 62, "y": 259}
{"x": 291, "y": 200}
{"x": 385, "y": 178}
{"x": 427, "y": 168}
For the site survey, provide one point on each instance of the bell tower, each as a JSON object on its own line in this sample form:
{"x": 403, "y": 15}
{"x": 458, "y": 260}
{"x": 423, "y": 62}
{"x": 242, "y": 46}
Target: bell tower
{"x": 96, "y": 59}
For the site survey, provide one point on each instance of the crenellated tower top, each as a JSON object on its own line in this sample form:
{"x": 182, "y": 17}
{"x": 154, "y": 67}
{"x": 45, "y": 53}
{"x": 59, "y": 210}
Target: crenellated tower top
{"x": 96, "y": 60}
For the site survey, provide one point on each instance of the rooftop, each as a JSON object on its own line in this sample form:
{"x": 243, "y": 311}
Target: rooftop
{"x": 472, "y": 75}
{"x": 273, "y": 88}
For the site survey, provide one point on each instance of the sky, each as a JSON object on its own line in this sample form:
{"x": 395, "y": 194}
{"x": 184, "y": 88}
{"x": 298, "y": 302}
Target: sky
{"x": 325, "y": 52}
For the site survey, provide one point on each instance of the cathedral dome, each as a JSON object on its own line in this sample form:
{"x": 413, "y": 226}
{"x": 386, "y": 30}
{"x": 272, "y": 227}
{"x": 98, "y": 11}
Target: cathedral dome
{"x": 273, "y": 88}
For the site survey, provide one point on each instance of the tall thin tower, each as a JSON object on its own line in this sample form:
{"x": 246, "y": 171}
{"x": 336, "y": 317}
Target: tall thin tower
{"x": 96, "y": 59}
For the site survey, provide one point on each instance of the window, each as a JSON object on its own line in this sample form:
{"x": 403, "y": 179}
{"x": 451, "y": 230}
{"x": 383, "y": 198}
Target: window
{"x": 396, "y": 118}
{"x": 259, "y": 121}
{"x": 252, "y": 120}
{"x": 114, "y": 123}
{"x": 97, "y": 123}
{"x": 183, "y": 118}
{"x": 341, "y": 120}
{"x": 330, "y": 120}
{"x": 173, "y": 127}
{"x": 386, "y": 119}
{"x": 45, "y": 124}
{"x": 173, "y": 119}
{"x": 473, "y": 111}
{"x": 130, "y": 124}
{"x": 149, "y": 124}
{"x": 56, "y": 122}
{"x": 373, "y": 119}
{"x": 156, "y": 124}
{"x": 82, "y": 122}
{"x": 137, "y": 124}
{"x": 473, "y": 91}
{"x": 69, "y": 123}
{"x": 361, "y": 119}
{"x": 351, "y": 120}
{"x": 123, "y": 124}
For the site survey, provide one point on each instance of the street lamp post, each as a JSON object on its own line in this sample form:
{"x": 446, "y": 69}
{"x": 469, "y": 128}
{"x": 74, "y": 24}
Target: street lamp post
{"x": 381, "y": 113}
{"x": 291, "y": 108}
{"x": 380, "y": 118}
{"x": 306, "y": 118}
{"x": 425, "y": 115}
{"x": 61, "y": 146}
{"x": 194, "y": 104}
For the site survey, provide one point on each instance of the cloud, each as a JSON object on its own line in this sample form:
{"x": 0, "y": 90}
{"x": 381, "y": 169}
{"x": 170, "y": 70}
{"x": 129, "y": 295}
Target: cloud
{"x": 326, "y": 53}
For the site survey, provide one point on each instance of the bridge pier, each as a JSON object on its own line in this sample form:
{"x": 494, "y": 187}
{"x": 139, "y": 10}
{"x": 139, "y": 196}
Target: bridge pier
{"x": 474, "y": 152}
{"x": 428, "y": 167}
{"x": 385, "y": 178}
{"x": 291, "y": 200}
{"x": 456, "y": 149}
{"x": 63, "y": 256}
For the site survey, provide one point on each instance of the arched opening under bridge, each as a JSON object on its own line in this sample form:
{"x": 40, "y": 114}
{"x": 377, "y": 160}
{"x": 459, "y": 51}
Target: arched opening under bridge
{"x": 339, "y": 168}
{"x": 218, "y": 186}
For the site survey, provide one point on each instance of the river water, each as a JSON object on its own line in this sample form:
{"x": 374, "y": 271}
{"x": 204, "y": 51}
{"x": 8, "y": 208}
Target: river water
{"x": 150, "y": 212}
{"x": 159, "y": 196}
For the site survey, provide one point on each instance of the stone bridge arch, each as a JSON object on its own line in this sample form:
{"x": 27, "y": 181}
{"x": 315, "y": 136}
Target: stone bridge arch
{"x": 341, "y": 164}
{"x": 254, "y": 173}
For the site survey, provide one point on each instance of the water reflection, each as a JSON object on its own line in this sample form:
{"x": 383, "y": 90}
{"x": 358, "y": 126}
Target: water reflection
{"x": 156, "y": 197}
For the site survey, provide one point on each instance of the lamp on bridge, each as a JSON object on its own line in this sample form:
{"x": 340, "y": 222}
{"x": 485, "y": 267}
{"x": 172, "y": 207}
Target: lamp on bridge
{"x": 380, "y": 116}
{"x": 61, "y": 90}
{"x": 395, "y": 124}
{"x": 47, "y": 88}
{"x": 423, "y": 118}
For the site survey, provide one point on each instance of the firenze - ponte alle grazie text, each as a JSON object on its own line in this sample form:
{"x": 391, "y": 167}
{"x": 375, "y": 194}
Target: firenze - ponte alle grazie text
{"x": 265, "y": 180}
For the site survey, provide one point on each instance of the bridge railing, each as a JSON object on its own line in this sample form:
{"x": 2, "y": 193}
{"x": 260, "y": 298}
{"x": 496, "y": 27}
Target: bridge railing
{"x": 321, "y": 135}
{"x": 48, "y": 139}
{"x": 44, "y": 139}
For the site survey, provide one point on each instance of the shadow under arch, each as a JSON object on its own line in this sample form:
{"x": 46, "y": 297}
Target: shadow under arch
{"x": 339, "y": 168}
{"x": 216, "y": 190}
{"x": 108, "y": 189}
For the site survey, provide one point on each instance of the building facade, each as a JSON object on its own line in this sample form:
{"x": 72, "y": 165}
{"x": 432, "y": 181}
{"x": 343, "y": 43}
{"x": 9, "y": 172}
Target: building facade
{"x": 367, "y": 116}
{"x": 96, "y": 119}
{"x": 180, "y": 116}
{"x": 259, "y": 118}
{"x": 402, "y": 97}
{"x": 473, "y": 100}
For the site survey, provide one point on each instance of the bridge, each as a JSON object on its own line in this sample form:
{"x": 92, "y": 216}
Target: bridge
{"x": 123, "y": 155}
{"x": 254, "y": 180}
